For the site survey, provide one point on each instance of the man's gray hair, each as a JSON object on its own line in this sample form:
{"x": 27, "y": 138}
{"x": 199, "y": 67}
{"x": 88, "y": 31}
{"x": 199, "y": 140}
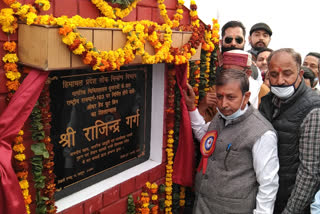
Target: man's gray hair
{"x": 295, "y": 55}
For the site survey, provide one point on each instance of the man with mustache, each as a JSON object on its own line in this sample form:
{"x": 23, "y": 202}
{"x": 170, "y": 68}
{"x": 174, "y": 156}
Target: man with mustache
{"x": 294, "y": 111}
{"x": 233, "y": 36}
{"x": 312, "y": 61}
{"x": 260, "y": 37}
{"x": 240, "y": 172}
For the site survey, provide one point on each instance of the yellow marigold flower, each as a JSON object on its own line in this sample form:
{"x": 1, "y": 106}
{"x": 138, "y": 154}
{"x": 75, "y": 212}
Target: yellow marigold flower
{"x": 154, "y": 186}
{"x": 23, "y": 10}
{"x": 139, "y": 28}
{"x": 89, "y": 45}
{"x": 12, "y": 75}
{"x": 18, "y": 148}
{"x": 168, "y": 183}
{"x": 171, "y": 131}
{"x": 154, "y": 197}
{"x": 180, "y": 11}
{"x": 69, "y": 39}
{"x": 25, "y": 193}
{"x": 24, "y": 184}
{"x": 168, "y": 203}
{"x": 193, "y": 51}
{"x": 168, "y": 189}
{"x": 182, "y": 203}
{"x": 10, "y": 58}
{"x": 79, "y": 50}
{"x": 44, "y": 4}
{"x": 145, "y": 205}
{"x": 21, "y": 132}
{"x": 144, "y": 194}
{"x": 148, "y": 184}
{"x": 15, "y": 5}
{"x": 20, "y": 157}
{"x": 127, "y": 28}
{"x": 170, "y": 140}
{"x": 170, "y": 154}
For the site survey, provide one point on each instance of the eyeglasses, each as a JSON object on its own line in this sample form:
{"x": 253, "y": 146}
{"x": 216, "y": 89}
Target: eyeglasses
{"x": 238, "y": 39}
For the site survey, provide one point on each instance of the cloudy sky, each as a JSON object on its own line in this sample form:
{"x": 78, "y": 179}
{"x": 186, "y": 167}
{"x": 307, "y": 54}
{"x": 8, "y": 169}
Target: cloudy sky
{"x": 294, "y": 23}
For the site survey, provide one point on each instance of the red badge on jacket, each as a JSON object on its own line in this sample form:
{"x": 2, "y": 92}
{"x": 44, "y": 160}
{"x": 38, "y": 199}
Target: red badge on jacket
{"x": 207, "y": 146}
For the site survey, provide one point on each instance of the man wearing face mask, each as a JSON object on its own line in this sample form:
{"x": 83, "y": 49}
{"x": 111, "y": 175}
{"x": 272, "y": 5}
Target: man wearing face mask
{"x": 294, "y": 111}
{"x": 240, "y": 175}
{"x": 312, "y": 61}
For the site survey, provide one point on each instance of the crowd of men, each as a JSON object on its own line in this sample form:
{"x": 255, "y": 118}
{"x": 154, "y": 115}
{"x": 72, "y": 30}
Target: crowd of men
{"x": 259, "y": 128}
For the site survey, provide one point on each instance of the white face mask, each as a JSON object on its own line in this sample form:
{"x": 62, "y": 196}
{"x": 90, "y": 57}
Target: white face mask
{"x": 283, "y": 91}
{"x": 235, "y": 115}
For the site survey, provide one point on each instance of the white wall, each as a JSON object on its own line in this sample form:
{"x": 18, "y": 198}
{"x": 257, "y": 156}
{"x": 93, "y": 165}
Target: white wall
{"x": 294, "y": 23}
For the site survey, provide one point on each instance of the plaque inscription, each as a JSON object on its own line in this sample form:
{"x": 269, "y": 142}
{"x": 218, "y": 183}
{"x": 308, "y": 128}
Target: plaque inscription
{"x": 100, "y": 124}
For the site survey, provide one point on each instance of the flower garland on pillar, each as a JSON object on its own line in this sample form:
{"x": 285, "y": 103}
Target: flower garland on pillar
{"x": 9, "y": 26}
{"x": 170, "y": 117}
{"x": 19, "y": 164}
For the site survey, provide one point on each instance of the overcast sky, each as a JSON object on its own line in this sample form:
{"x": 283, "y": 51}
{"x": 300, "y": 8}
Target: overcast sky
{"x": 295, "y": 23}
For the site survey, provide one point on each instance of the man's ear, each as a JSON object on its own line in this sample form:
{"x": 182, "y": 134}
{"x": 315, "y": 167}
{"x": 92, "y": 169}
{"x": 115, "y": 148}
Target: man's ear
{"x": 246, "y": 99}
{"x": 248, "y": 72}
{"x": 301, "y": 72}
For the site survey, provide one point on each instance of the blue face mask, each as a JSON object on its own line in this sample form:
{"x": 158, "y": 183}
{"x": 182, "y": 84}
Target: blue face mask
{"x": 235, "y": 115}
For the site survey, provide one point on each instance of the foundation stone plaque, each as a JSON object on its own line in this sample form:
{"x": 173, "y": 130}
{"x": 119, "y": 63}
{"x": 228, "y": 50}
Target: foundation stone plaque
{"x": 100, "y": 124}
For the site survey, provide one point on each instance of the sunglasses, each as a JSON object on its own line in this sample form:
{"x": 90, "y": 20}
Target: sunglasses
{"x": 238, "y": 39}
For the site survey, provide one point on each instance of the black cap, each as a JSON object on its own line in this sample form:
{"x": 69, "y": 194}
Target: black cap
{"x": 261, "y": 26}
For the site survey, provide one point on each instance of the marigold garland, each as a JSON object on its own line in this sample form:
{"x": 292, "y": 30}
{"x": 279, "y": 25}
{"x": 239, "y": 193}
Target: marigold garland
{"x": 177, "y": 16}
{"x": 113, "y": 13}
{"x": 159, "y": 36}
{"x": 149, "y": 201}
{"x": 20, "y": 166}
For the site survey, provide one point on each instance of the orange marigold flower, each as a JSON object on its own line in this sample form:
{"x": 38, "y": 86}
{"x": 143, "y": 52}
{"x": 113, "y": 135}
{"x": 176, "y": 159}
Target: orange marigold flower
{"x": 47, "y": 139}
{"x": 10, "y": 46}
{"x": 13, "y": 85}
{"x": 22, "y": 175}
{"x": 18, "y": 139}
{"x": 28, "y": 200}
{"x": 11, "y": 67}
{"x": 145, "y": 210}
{"x": 65, "y": 30}
{"x": 87, "y": 59}
{"x": 9, "y": 2}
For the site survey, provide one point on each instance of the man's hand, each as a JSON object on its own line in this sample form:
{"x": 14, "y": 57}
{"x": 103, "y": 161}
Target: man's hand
{"x": 209, "y": 100}
{"x": 189, "y": 97}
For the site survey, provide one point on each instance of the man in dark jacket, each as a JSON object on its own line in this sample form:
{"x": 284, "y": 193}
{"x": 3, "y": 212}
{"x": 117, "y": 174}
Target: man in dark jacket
{"x": 294, "y": 111}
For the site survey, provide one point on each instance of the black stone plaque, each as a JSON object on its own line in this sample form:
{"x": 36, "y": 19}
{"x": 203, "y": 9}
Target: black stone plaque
{"x": 100, "y": 124}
